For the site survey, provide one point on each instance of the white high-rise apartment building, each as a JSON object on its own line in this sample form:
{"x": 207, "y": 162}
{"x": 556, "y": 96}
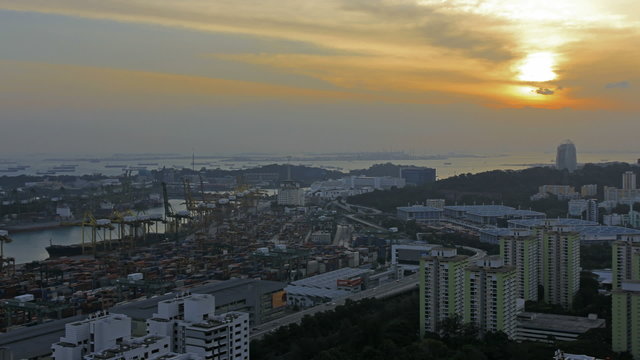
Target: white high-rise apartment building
{"x": 625, "y": 318}
{"x": 626, "y": 259}
{"x": 523, "y": 253}
{"x": 490, "y": 296}
{"x": 190, "y": 323}
{"x": 592, "y": 210}
{"x": 566, "y": 156}
{"x": 560, "y": 265}
{"x": 629, "y": 181}
{"x": 625, "y": 299}
{"x": 290, "y": 194}
{"x": 441, "y": 287}
{"x": 589, "y": 190}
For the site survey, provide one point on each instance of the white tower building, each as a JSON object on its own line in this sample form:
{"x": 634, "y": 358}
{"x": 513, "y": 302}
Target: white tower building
{"x": 566, "y": 156}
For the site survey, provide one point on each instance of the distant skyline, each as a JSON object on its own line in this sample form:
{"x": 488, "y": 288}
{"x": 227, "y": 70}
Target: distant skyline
{"x": 284, "y": 76}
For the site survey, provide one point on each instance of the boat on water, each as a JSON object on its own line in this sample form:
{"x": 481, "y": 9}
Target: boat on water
{"x": 15, "y": 168}
{"x": 148, "y": 164}
{"x": 56, "y": 251}
{"x": 102, "y": 246}
{"x": 64, "y": 168}
{"x": 115, "y": 166}
{"x": 46, "y": 172}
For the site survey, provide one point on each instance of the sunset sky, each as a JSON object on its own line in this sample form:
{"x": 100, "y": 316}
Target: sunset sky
{"x": 229, "y": 76}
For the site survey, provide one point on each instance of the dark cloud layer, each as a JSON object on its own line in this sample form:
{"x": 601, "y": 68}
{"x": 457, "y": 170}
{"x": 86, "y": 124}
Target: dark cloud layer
{"x": 619, "y": 84}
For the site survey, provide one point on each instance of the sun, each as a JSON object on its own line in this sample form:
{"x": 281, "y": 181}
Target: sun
{"x": 537, "y": 67}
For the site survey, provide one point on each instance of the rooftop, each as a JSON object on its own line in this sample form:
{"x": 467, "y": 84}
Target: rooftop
{"x": 528, "y": 223}
{"x": 21, "y": 342}
{"x": 329, "y": 280}
{"x": 560, "y": 323}
{"x": 414, "y": 208}
{"x": 605, "y": 230}
{"x": 311, "y": 291}
{"x": 225, "y": 292}
{"x": 468, "y": 208}
{"x": 492, "y": 210}
{"x": 506, "y": 232}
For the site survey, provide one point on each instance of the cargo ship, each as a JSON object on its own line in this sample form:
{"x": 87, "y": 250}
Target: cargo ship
{"x": 56, "y": 251}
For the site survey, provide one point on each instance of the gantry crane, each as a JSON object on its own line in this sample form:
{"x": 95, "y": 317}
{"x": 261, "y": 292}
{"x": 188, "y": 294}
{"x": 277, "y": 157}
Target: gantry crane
{"x": 177, "y": 217}
{"x": 96, "y": 224}
{"x": 4, "y": 238}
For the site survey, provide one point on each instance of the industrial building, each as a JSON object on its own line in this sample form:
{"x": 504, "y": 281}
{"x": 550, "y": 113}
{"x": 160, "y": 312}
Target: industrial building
{"x": 567, "y": 223}
{"x": 551, "y": 327}
{"x": 419, "y": 213}
{"x": 374, "y": 182}
{"x": 262, "y": 300}
{"x": 416, "y": 176}
{"x": 436, "y": 203}
{"x": 590, "y": 232}
{"x": 489, "y": 214}
{"x": 326, "y": 287}
{"x": 408, "y": 256}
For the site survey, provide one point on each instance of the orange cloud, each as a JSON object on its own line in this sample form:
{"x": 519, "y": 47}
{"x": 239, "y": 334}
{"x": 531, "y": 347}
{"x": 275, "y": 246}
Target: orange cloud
{"x": 410, "y": 50}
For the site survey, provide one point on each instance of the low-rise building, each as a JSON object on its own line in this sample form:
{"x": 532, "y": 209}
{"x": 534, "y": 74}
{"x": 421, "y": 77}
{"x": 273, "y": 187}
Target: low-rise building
{"x": 261, "y": 299}
{"x": 435, "y": 203}
{"x": 589, "y": 190}
{"x": 407, "y": 257}
{"x": 418, "y": 175}
{"x": 489, "y": 214}
{"x": 550, "y": 328}
{"x": 562, "y": 192}
{"x": 326, "y": 287}
{"x": 419, "y": 213}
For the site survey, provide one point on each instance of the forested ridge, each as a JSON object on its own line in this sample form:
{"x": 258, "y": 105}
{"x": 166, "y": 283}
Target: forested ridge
{"x": 510, "y": 187}
{"x": 373, "y": 329}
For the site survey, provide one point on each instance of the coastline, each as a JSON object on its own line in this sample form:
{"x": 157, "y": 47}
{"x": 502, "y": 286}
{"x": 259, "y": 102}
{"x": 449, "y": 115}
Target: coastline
{"x": 34, "y": 226}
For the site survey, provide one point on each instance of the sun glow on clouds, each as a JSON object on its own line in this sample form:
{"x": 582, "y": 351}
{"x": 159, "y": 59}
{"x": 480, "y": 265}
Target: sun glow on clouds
{"x": 487, "y": 51}
{"x": 538, "y": 67}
